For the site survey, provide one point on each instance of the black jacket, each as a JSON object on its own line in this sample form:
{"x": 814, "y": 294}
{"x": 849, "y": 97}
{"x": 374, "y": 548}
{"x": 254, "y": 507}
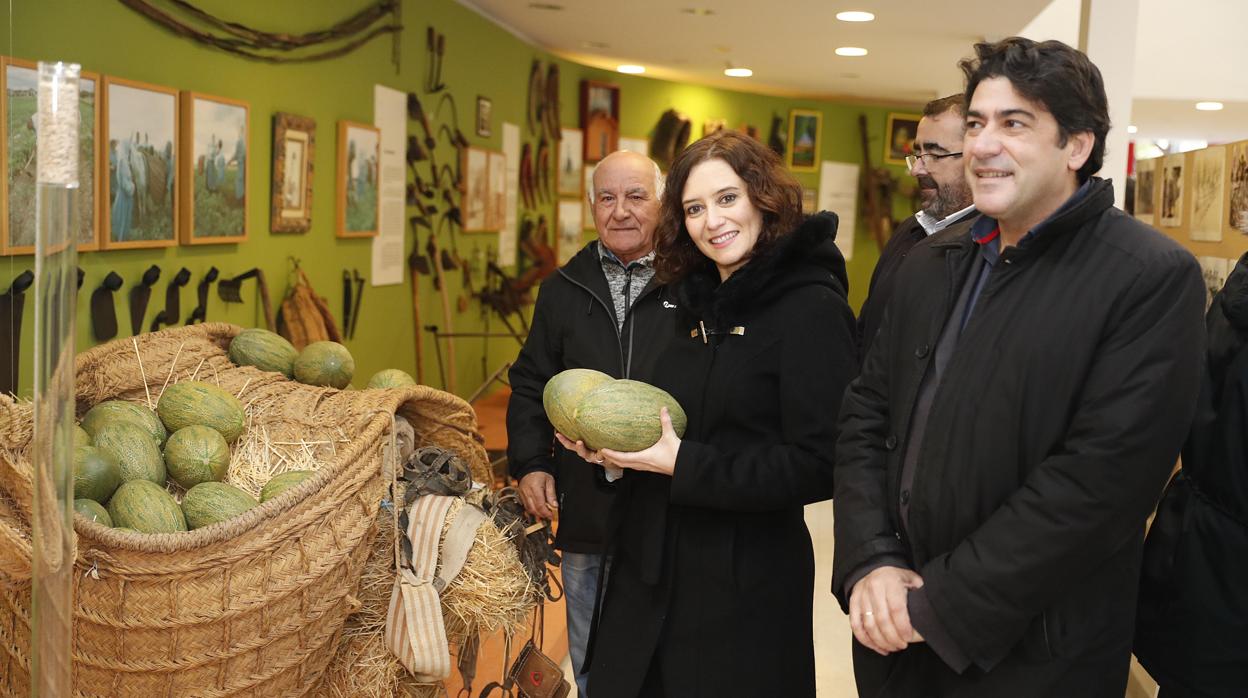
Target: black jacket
{"x": 574, "y": 327}
{"x": 713, "y": 571}
{"x": 1055, "y": 425}
{"x": 1192, "y": 630}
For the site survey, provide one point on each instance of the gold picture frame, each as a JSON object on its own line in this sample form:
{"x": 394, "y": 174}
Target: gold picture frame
{"x": 294, "y": 151}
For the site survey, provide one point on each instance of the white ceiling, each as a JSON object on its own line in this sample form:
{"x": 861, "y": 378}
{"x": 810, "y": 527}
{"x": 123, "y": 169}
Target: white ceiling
{"x": 1184, "y": 49}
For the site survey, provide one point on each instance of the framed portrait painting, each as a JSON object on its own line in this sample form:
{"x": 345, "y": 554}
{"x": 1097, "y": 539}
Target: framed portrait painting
{"x": 294, "y": 144}
{"x": 804, "y": 128}
{"x": 359, "y": 151}
{"x": 213, "y": 185}
{"x": 18, "y": 97}
{"x": 140, "y": 133}
{"x": 899, "y": 135}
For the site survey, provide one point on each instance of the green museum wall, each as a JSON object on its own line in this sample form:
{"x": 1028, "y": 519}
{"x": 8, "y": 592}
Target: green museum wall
{"x": 481, "y": 59}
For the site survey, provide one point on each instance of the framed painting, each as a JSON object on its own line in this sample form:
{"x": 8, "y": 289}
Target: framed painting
{"x": 294, "y": 144}
{"x": 1208, "y": 174}
{"x": 571, "y": 152}
{"x": 496, "y": 191}
{"x": 140, "y": 130}
{"x": 899, "y": 134}
{"x": 1146, "y": 190}
{"x": 485, "y": 111}
{"x": 600, "y": 118}
{"x": 359, "y": 151}
{"x": 568, "y": 217}
{"x": 1173, "y": 171}
{"x": 475, "y": 189}
{"x": 18, "y": 157}
{"x": 587, "y": 218}
{"x": 1237, "y": 188}
{"x": 804, "y": 128}
{"x": 213, "y": 182}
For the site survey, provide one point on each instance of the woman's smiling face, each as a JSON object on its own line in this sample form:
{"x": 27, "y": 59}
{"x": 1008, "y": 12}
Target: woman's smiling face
{"x": 719, "y": 215}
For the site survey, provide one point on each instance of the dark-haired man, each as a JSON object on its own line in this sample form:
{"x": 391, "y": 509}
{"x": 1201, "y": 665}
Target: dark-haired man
{"x": 1025, "y": 401}
{"x": 946, "y": 198}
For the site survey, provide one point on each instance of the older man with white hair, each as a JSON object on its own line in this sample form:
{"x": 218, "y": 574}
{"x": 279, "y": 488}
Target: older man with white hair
{"x": 602, "y": 310}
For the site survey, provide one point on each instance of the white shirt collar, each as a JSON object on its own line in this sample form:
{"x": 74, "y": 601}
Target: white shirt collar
{"x": 933, "y": 225}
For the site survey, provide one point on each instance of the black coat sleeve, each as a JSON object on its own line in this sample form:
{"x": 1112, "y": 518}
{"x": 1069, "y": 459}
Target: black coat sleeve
{"x": 817, "y": 361}
{"x": 1092, "y": 494}
{"x": 530, "y": 436}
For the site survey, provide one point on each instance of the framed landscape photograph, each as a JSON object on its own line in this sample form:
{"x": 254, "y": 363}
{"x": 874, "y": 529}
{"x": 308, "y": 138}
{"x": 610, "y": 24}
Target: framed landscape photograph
{"x": 359, "y": 151}
{"x": 571, "y": 147}
{"x": 213, "y": 188}
{"x": 899, "y": 134}
{"x": 803, "y": 152}
{"x": 294, "y": 144}
{"x": 18, "y": 83}
{"x": 140, "y": 133}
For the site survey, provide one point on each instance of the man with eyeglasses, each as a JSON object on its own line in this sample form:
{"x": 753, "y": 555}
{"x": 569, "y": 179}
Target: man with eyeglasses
{"x": 946, "y": 199}
{"x": 603, "y": 311}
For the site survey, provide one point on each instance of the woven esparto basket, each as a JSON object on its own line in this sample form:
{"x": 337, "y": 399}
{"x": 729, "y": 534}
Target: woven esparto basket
{"x": 249, "y": 607}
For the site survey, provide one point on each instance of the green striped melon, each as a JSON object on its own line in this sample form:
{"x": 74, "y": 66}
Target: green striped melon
{"x": 196, "y": 454}
{"x": 81, "y": 437}
{"x": 280, "y": 483}
{"x": 146, "y": 507}
{"x": 623, "y": 415}
{"x": 265, "y": 350}
{"x": 326, "y": 364}
{"x": 213, "y": 502}
{"x": 93, "y": 511}
{"x": 119, "y": 410}
{"x": 195, "y": 402}
{"x": 136, "y": 453}
{"x": 390, "y": 378}
{"x": 96, "y": 474}
{"x": 564, "y": 391}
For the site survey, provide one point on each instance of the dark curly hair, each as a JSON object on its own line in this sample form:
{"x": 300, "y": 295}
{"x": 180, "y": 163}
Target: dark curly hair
{"x": 771, "y": 188}
{"x": 1051, "y": 73}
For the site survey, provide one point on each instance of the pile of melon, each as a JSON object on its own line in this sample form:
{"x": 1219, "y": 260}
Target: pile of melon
{"x": 604, "y": 412}
{"x": 326, "y": 364}
{"x": 126, "y": 456}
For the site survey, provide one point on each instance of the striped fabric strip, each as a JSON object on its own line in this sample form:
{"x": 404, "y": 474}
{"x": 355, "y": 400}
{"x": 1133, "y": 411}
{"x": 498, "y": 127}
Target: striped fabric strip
{"x": 414, "y": 629}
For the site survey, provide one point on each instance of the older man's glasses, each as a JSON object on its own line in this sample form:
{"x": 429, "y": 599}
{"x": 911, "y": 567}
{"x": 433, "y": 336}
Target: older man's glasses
{"x": 927, "y": 159}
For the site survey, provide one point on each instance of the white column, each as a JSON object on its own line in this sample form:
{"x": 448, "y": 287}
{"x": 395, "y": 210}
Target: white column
{"x": 1108, "y": 34}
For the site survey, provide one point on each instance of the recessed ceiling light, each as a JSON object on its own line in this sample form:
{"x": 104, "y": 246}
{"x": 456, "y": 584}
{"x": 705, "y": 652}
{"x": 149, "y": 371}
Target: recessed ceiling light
{"x": 545, "y": 6}
{"x": 855, "y": 16}
{"x": 600, "y": 45}
{"x": 1132, "y": 129}
{"x": 1209, "y": 106}
{"x": 631, "y": 69}
{"x": 851, "y": 51}
{"x": 698, "y": 11}
{"x": 738, "y": 72}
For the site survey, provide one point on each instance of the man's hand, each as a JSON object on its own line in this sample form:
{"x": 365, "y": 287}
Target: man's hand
{"x": 878, "y": 613}
{"x": 537, "y": 493}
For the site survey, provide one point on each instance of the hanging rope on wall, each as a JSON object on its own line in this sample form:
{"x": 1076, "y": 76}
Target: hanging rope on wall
{"x": 271, "y": 47}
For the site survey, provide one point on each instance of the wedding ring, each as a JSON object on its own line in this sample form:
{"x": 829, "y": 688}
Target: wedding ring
{"x": 868, "y": 613}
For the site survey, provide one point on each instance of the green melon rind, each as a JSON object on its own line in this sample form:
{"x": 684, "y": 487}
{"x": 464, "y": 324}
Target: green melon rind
{"x": 623, "y": 415}
{"x": 81, "y": 437}
{"x": 564, "y": 391}
{"x": 111, "y": 411}
{"x": 285, "y": 481}
{"x": 94, "y": 511}
{"x": 213, "y": 502}
{"x": 267, "y": 351}
{"x": 390, "y": 378}
{"x": 195, "y": 402}
{"x": 326, "y": 364}
{"x": 196, "y": 454}
{"x": 97, "y": 474}
{"x": 137, "y": 455}
{"x": 146, "y": 507}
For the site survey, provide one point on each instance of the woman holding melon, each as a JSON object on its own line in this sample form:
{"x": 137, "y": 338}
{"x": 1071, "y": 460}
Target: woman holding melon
{"x": 712, "y": 579}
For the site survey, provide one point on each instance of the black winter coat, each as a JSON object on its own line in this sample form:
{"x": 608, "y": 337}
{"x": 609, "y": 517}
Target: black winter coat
{"x": 712, "y": 579}
{"x": 1054, "y": 428}
{"x": 574, "y": 327}
{"x": 1192, "y": 630}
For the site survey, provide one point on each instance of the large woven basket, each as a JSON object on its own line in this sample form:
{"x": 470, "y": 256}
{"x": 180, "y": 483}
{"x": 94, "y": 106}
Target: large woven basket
{"x": 249, "y": 607}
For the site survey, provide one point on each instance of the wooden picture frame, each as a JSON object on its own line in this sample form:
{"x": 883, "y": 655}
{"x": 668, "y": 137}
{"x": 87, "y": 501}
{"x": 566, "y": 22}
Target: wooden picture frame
{"x": 571, "y": 161}
{"x": 359, "y": 152}
{"x": 17, "y": 223}
{"x": 600, "y": 118}
{"x": 805, "y": 140}
{"x": 899, "y": 135}
{"x": 136, "y": 117}
{"x": 214, "y": 206}
{"x": 294, "y": 150}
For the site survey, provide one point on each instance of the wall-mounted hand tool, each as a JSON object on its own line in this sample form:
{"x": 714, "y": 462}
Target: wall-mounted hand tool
{"x": 550, "y": 108}
{"x": 104, "y": 309}
{"x": 355, "y": 311}
{"x": 82, "y": 275}
{"x": 416, "y": 112}
{"x": 140, "y": 294}
{"x": 536, "y": 103}
{"x": 527, "y": 195}
{"x": 346, "y": 304}
{"x": 12, "y": 304}
{"x": 173, "y": 303}
{"x": 435, "y": 48}
{"x": 200, "y": 313}
{"x": 542, "y": 166}
{"x": 228, "y": 290}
